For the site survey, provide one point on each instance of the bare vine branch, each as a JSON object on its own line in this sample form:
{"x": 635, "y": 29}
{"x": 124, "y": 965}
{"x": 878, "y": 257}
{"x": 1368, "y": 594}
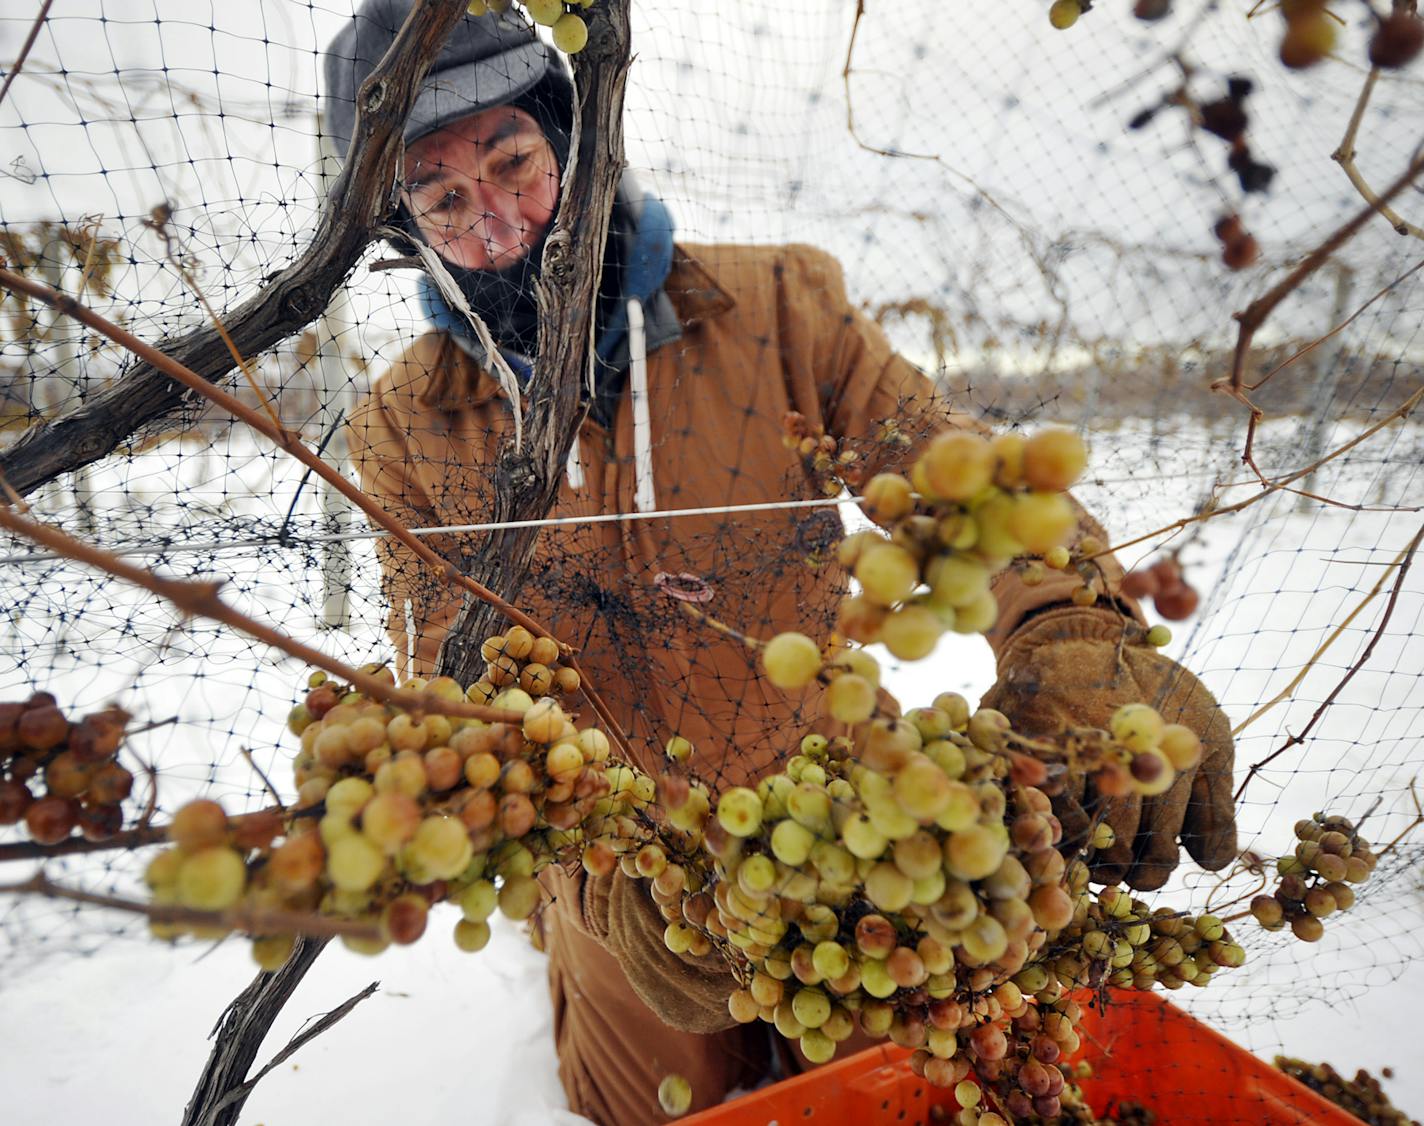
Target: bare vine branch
{"x": 294, "y": 1045}
{"x": 283, "y": 439}
{"x": 248, "y": 920}
{"x": 25, "y": 47}
{"x": 1299, "y": 737}
{"x": 1344, "y": 156}
{"x": 200, "y": 599}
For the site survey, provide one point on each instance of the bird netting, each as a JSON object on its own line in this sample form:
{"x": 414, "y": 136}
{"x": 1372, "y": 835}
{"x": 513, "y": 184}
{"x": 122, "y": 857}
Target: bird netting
{"x": 1058, "y": 227}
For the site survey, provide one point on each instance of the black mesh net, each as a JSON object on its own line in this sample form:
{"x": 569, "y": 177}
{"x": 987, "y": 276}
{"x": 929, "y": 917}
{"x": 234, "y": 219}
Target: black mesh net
{"x": 1035, "y": 219}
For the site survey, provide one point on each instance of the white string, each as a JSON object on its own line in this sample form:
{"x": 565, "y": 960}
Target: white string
{"x": 552, "y": 522}
{"x": 448, "y": 529}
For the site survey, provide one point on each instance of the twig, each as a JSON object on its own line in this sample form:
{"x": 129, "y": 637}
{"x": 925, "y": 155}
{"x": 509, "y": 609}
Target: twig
{"x": 240, "y": 1032}
{"x": 720, "y": 627}
{"x": 1344, "y": 156}
{"x": 1314, "y": 344}
{"x": 127, "y": 839}
{"x": 850, "y": 102}
{"x": 1418, "y": 820}
{"x": 527, "y": 482}
{"x": 158, "y": 222}
{"x": 140, "y": 836}
{"x": 246, "y": 753}
{"x": 1286, "y": 692}
{"x": 302, "y": 484}
{"x": 1221, "y": 883}
{"x": 1298, "y": 738}
{"x": 294, "y": 1045}
{"x": 249, "y": 920}
{"x": 1255, "y": 314}
{"x": 396, "y": 264}
{"x": 612, "y": 728}
{"x": 200, "y": 599}
{"x": 1279, "y": 485}
{"x": 286, "y": 441}
{"x": 25, "y": 48}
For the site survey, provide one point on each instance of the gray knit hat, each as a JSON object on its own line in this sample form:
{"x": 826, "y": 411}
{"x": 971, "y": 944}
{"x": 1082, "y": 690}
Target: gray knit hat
{"x": 488, "y": 61}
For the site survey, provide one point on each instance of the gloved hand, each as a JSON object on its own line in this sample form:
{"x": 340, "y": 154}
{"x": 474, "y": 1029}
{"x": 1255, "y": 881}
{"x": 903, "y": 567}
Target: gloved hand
{"x": 1072, "y": 666}
{"x": 689, "y": 993}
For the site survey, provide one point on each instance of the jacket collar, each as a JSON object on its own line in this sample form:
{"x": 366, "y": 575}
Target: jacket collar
{"x": 694, "y": 291}
{"x": 695, "y": 296}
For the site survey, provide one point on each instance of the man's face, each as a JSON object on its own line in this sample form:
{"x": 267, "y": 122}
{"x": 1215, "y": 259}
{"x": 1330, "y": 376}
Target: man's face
{"x": 483, "y": 189}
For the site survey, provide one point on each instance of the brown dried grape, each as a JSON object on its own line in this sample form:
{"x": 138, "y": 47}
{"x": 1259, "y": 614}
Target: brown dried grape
{"x": 15, "y": 798}
{"x": 50, "y": 819}
{"x": 404, "y": 918}
{"x": 42, "y": 728}
{"x": 67, "y": 776}
{"x": 110, "y": 784}
{"x": 1240, "y": 253}
{"x": 321, "y": 700}
{"x": 1139, "y": 584}
{"x": 9, "y": 726}
{"x": 256, "y": 830}
{"x": 100, "y": 822}
{"x": 1398, "y": 39}
{"x": 1178, "y": 603}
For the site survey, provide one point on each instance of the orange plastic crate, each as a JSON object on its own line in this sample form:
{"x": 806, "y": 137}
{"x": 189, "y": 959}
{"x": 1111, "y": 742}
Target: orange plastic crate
{"x": 1145, "y": 1049}
{"x": 1141, "y": 1047}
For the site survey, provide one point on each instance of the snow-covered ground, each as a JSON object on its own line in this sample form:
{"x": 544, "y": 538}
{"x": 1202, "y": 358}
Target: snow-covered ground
{"x": 99, "y": 1022}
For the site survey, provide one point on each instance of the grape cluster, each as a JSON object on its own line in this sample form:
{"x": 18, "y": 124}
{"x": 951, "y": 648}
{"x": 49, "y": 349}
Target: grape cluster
{"x": 910, "y": 878}
{"x": 1361, "y": 1096}
{"x": 968, "y": 507}
{"x": 825, "y": 460}
{"x": 1112, "y": 940}
{"x": 1314, "y": 881}
{"x": 398, "y": 810}
{"x": 570, "y": 33}
{"x": 1119, "y": 941}
{"x": 1172, "y": 596}
{"x": 57, "y": 776}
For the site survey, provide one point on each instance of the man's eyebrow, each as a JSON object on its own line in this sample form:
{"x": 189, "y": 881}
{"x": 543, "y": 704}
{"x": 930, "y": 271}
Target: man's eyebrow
{"x": 426, "y": 174}
{"x": 511, "y": 127}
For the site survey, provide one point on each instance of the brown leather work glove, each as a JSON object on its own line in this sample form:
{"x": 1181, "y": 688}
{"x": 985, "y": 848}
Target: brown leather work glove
{"x": 686, "y": 992}
{"x": 1061, "y": 668}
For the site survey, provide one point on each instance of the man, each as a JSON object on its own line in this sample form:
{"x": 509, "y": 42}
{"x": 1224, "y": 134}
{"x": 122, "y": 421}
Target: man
{"x": 701, "y": 351}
